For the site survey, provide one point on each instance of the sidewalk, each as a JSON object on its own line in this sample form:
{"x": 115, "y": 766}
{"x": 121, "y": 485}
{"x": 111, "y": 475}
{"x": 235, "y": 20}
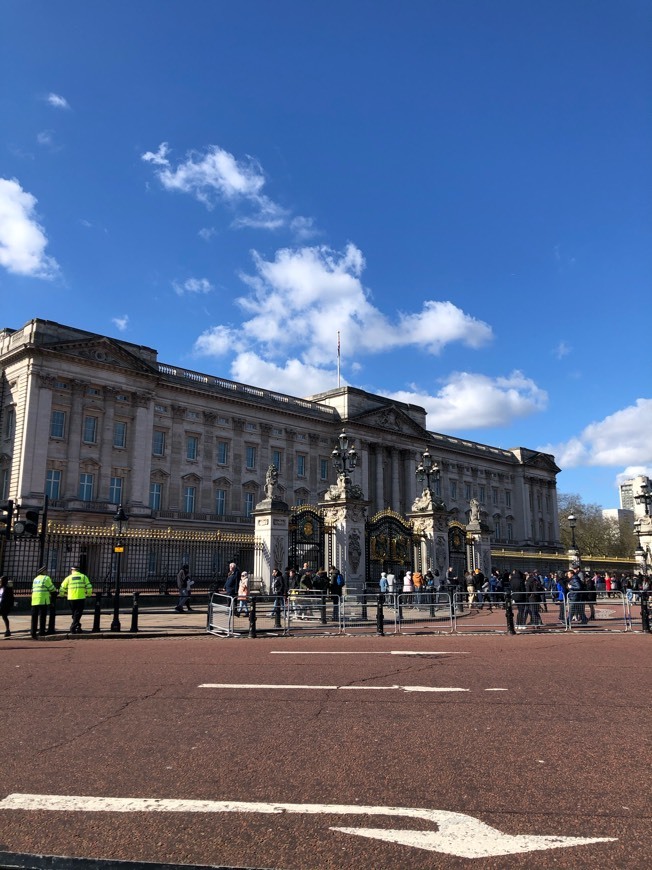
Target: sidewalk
{"x": 152, "y": 622}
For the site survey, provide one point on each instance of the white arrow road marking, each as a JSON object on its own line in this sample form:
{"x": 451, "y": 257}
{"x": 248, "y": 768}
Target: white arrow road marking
{"x": 329, "y": 688}
{"x": 458, "y": 834}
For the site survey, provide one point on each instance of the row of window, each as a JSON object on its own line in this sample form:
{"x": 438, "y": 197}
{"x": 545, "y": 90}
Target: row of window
{"x": 89, "y": 429}
{"x": 87, "y": 485}
{"x": 90, "y": 436}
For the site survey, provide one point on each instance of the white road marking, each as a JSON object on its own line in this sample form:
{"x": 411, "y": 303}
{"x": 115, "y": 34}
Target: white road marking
{"x": 393, "y": 652}
{"x": 329, "y": 688}
{"x": 458, "y": 834}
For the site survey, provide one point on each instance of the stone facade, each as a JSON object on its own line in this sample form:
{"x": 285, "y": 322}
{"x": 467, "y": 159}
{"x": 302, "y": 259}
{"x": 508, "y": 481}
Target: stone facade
{"x": 93, "y": 421}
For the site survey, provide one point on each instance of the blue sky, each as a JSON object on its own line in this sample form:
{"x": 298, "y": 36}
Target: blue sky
{"x": 461, "y": 188}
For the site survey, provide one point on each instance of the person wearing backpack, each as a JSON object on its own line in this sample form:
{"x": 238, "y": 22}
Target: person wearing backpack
{"x": 279, "y": 591}
{"x": 336, "y": 589}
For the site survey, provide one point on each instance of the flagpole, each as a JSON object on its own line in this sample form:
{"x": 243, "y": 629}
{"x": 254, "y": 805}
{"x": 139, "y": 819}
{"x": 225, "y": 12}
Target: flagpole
{"x": 338, "y": 358}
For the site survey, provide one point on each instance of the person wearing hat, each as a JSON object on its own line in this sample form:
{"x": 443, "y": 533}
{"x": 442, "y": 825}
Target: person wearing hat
{"x": 42, "y": 589}
{"x": 77, "y": 588}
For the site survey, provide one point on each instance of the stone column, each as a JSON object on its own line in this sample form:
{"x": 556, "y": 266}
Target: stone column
{"x": 430, "y": 519}
{"x": 272, "y": 518}
{"x": 71, "y": 483}
{"x": 141, "y": 460}
{"x": 480, "y": 535}
{"x": 396, "y": 494}
{"x": 345, "y": 512}
{"x": 380, "y": 479}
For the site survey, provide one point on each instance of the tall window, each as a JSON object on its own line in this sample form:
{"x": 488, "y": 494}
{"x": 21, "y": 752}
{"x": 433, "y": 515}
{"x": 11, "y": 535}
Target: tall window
{"x": 250, "y": 457}
{"x": 467, "y": 491}
{"x": 301, "y": 465}
{"x": 155, "y": 496}
{"x": 119, "y": 434}
{"x": 323, "y": 469}
{"x": 249, "y": 503}
{"x": 10, "y": 422}
{"x": 277, "y": 459}
{"x": 508, "y": 498}
{"x": 189, "y": 493}
{"x": 158, "y": 443}
{"x": 222, "y": 452}
{"x": 497, "y": 531}
{"x": 57, "y": 424}
{"x": 481, "y": 494}
{"x": 192, "y": 447}
{"x": 4, "y": 483}
{"x": 510, "y": 531}
{"x": 86, "y": 487}
{"x": 453, "y": 490}
{"x": 89, "y": 435}
{"x": 494, "y": 495}
{"x": 220, "y": 502}
{"x": 115, "y": 490}
{"x": 53, "y": 483}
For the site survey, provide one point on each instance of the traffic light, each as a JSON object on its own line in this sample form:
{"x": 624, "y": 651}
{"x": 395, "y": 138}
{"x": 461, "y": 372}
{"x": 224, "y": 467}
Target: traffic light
{"x": 6, "y": 514}
{"x": 28, "y": 526}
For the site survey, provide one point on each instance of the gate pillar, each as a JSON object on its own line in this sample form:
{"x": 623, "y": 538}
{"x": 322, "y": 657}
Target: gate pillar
{"x": 345, "y": 513}
{"x": 479, "y": 535}
{"x": 431, "y": 524}
{"x": 271, "y": 517}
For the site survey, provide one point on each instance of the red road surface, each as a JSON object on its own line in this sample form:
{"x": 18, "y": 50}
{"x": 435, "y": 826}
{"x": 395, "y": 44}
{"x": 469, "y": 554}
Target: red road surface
{"x": 544, "y": 736}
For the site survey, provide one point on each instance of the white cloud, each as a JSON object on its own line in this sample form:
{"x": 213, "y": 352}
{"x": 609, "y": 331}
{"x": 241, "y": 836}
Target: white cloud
{"x": 562, "y": 350}
{"x": 620, "y": 439}
{"x": 323, "y": 289}
{"x": 633, "y": 471}
{"x": 216, "y": 341}
{"x": 303, "y": 228}
{"x": 121, "y": 322}
{"x": 57, "y": 101}
{"x": 45, "y": 138}
{"x": 475, "y": 401}
{"x": 293, "y": 377}
{"x": 22, "y": 238}
{"x": 192, "y": 285}
{"x": 207, "y": 233}
{"x": 158, "y": 157}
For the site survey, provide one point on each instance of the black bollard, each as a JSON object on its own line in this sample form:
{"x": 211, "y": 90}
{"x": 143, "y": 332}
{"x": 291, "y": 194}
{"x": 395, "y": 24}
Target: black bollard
{"x": 509, "y": 614}
{"x": 97, "y": 613}
{"x": 645, "y": 611}
{"x": 380, "y": 615}
{"x": 134, "y": 614}
{"x": 277, "y": 612}
{"x": 252, "y": 618}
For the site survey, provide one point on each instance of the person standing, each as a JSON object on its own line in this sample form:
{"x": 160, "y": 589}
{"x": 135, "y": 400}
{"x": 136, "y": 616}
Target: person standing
{"x": 232, "y": 581}
{"x": 77, "y": 588}
{"x": 278, "y": 590}
{"x": 6, "y": 601}
{"x": 42, "y": 590}
{"x": 243, "y": 595}
{"x": 336, "y": 588}
{"x": 183, "y": 585}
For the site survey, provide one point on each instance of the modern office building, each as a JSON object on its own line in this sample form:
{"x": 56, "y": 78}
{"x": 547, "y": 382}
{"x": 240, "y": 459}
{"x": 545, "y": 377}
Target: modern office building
{"x": 93, "y": 422}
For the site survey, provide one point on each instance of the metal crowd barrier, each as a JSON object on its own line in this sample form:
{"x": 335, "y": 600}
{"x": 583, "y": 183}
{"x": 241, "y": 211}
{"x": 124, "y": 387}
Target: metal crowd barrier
{"x": 428, "y": 613}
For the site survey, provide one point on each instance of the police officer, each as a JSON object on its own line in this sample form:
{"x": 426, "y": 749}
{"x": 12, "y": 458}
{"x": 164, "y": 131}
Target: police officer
{"x": 42, "y": 589}
{"x": 77, "y": 588}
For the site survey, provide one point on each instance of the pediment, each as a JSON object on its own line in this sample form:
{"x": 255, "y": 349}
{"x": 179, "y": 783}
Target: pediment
{"x": 543, "y": 461}
{"x": 103, "y": 351}
{"x": 391, "y": 419}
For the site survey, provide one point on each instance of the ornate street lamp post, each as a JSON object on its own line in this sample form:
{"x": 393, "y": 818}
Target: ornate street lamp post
{"x": 426, "y": 470}
{"x": 119, "y": 519}
{"x": 645, "y": 496}
{"x": 574, "y": 552}
{"x": 345, "y": 457}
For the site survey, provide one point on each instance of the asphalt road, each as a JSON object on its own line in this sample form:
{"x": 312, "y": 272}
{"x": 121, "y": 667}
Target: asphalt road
{"x": 330, "y": 752}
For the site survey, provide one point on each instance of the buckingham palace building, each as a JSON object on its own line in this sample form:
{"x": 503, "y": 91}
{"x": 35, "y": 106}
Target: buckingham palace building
{"x": 94, "y": 422}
